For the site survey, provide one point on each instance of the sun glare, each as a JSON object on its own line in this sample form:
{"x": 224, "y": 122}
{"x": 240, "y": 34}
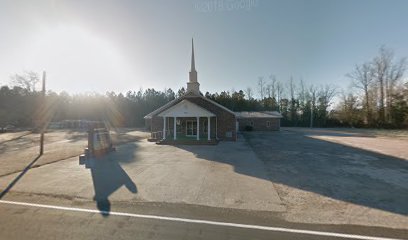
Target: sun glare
{"x": 77, "y": 60}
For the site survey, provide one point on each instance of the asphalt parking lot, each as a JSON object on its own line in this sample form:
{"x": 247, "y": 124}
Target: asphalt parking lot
{"x": 19, "y": 149}
{"x": 295, "y": 176}
{"x": 337, "y": 177}
{"x": 228, "y": 175}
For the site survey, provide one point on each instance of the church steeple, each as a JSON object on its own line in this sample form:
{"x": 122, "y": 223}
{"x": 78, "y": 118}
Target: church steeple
{"x": 192, "y": 56}
{"x": 193, "y": 85}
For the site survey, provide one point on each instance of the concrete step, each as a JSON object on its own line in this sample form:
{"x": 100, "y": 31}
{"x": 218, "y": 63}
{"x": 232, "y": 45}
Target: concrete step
{"x": 187, "y": 142}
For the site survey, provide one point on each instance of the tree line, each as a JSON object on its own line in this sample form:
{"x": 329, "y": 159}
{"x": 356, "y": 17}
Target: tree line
{"x": 381, "y": 96}
{"x": 378, "y": 97}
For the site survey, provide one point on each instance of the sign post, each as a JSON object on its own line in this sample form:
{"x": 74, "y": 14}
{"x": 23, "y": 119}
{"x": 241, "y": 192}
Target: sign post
{"x": 99, "y": 144}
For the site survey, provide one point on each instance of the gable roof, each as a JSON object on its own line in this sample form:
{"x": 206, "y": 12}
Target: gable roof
{"x": 177, "y": 100}
{"x": 218, "y": 105}
{"x": 264, "y": 114}
{"x": 162, "y": 108}
{"x": 274, "y": 113}
{"x": 186, "y": 108}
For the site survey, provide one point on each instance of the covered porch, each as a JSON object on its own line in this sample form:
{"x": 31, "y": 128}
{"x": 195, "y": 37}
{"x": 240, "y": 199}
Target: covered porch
{"x": 187, "y": 122}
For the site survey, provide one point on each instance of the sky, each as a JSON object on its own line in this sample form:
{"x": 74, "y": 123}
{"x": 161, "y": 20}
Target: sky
{"x": 100, "y": 46}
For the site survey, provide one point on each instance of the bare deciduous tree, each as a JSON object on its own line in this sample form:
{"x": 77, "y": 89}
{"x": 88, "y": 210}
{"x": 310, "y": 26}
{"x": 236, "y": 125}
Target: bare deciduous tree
{"x": 291, "y": 87}
{"x": 312, "y": 92}
{"x": 261, "y": 87}
{"x": 272, "y": 87}
{"x": 325, "y": 97}
{"x": 348, "y": 113}
{"x": 326, "y": 94}
{"x": 387, "y": 74}
{"x": 362, "y": 78}
{"x": 394, "y": 77}
{"x": 249, "y": 93}
{"x": 381, "y": 66}
{"x": 27, "y": 80}
{"x": 279, "y": 94}
{"x": 302, "y": 94}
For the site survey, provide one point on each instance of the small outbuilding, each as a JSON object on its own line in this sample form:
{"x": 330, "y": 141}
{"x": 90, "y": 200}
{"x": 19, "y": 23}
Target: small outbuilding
{"x": 258, "y": 121}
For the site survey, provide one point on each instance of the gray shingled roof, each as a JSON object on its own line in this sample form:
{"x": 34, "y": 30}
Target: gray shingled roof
{"x": 264, "y": 114}
{"x": 177, "y": 100}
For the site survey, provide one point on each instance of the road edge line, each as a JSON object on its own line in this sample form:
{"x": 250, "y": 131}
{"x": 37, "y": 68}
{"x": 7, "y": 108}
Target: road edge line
{"x": 197, "y": 221}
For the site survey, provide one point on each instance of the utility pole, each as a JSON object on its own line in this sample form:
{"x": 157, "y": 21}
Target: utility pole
{"x": 42, "y": 117}
{"x": 312, "y": 109}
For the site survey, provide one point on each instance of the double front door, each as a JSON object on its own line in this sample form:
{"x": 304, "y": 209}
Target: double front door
{"x": 191, "y": 128}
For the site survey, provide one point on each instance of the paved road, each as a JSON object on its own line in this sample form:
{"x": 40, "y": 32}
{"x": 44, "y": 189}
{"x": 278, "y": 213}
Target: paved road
{"x": 46, "y": 222}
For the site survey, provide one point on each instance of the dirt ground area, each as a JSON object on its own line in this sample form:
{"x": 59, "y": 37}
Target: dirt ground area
{"x": 388, "y": 142}
{"x": 362, "y": 132}
{"x": 337, "y": 176}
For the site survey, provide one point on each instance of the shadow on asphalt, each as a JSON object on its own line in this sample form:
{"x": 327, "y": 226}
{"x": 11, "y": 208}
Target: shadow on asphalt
{"x": 10, "y": 186}
{"x": 78, "y": 136}
{"x": 3, "y": 144}
{"x": 108, "y": 176}
{"x": 327, "y": 132}
{"x": 16, "y": 138}
{"x": 333, "y": 170}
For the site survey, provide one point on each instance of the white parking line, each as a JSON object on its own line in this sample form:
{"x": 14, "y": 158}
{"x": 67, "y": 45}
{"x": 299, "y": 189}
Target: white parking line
{"x": 186, "y": 220}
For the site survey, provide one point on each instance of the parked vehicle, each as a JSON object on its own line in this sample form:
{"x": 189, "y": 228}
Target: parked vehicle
{"x": 8, "y": 128}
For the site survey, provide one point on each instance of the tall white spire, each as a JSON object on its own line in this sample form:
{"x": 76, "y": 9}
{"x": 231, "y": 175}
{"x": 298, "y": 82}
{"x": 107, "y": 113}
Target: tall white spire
{"x": 193, "y": 85}
{"x": 192, "y": 56}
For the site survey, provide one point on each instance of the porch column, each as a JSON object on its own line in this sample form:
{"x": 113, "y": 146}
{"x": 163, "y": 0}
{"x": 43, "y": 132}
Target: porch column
{"x": 216, "y": 127}
{"x": 208, "y": 128}
{"x": 198, "y": 128}
{"x": 164, "y": 127}
{"x": 175, "y": 128}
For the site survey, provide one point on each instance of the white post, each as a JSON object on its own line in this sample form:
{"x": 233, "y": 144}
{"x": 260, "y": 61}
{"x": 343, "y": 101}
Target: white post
{"x": 216, "y": 128}
{"x": 198, "y": 128}
{"x": 208, "y": 128}
{"x": 175, "y": 128}
{"x": 164, "y": 127}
